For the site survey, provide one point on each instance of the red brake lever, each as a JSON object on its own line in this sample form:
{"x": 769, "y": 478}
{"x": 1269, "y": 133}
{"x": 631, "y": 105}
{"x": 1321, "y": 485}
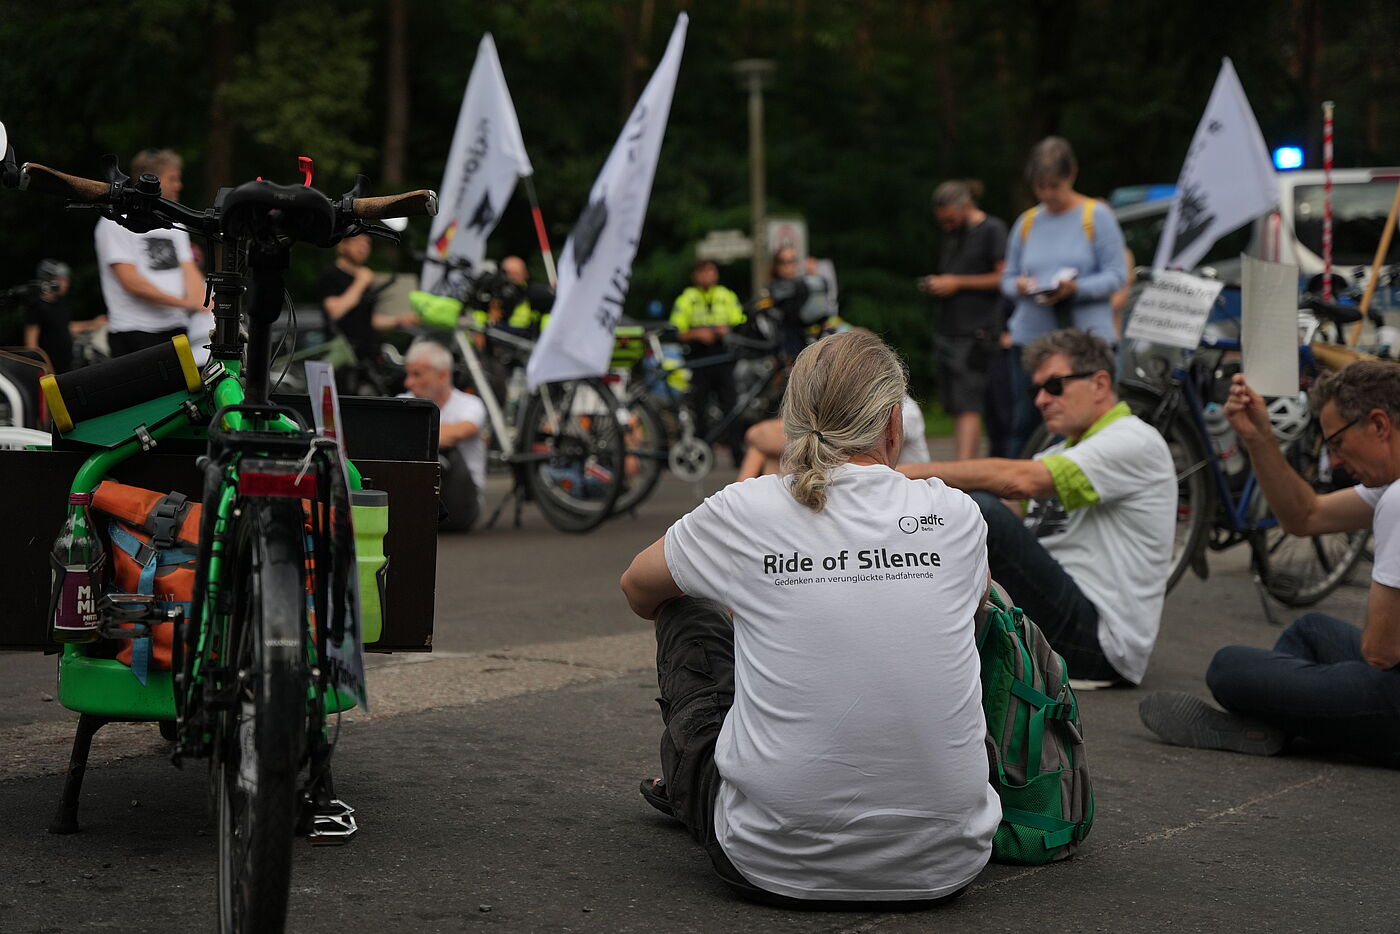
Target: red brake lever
{"x": 306, "y": 165}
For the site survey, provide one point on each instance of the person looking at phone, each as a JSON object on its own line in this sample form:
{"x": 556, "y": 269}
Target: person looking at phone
{"x": 969, "y": 323}
{"x": 824, "y": 734}
{"x": 1064, "y": 261}
{"x": 1089, "y": 560}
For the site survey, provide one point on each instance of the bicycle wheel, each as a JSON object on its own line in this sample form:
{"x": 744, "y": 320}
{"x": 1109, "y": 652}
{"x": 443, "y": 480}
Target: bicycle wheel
{"x": 1301, "y": 570}
{"x": 1196, "y": 500}
{"x": 645, "y": 438}
{"x": 258, "y": 746}
{"x": 572, "y": 452}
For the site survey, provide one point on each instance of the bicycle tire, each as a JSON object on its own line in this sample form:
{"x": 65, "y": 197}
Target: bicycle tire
{"x": 1301, "y": 570}
{"x": 646, "y": 453}
{"x": 258, "y": 746}
{"x": 1196, "y": 499}
{"x": 572, "y": 453}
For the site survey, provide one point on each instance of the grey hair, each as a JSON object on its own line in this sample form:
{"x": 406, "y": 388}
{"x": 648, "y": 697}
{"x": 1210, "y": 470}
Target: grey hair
{"x": 430, "y": 352}
{"x": 154, "y": 161}
{"x": 837, "y": 405}
{"x": 1051, "y": 160}
{"x": 1087, "y": 353}
{"x": 1359, "y": 388}
{"x": 951, "y": 193}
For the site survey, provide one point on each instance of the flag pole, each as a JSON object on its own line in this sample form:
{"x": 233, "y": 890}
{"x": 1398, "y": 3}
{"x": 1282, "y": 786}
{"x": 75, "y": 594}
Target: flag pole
{"x": 1381, "y": 250}
{"x": 540, "y": 232}
{"x": 1327, "y": 201}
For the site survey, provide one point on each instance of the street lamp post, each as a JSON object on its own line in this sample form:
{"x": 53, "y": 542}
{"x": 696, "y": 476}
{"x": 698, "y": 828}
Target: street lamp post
{"x": 753, "y": 75}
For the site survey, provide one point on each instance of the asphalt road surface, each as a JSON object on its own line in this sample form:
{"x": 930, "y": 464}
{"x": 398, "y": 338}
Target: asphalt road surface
{"x": 496, "y": 782}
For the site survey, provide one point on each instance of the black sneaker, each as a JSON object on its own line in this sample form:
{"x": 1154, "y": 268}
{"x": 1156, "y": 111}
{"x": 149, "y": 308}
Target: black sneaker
{"x": 654, "y": 791}
{"x": 1186, "y": 720}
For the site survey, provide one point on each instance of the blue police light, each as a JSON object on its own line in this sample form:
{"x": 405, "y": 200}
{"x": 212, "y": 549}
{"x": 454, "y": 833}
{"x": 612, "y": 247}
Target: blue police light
{"x": 1288, "y": 157}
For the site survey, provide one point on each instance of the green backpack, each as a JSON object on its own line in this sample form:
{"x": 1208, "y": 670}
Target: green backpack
{"x": 1034, "y": 740}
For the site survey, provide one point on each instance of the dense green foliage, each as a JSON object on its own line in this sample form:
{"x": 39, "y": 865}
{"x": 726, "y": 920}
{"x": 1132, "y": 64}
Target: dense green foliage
{"x": 873, "y": 103}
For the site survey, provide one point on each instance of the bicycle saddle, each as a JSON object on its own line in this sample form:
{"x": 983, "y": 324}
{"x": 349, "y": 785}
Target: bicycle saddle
{"x": 266, "y": 211}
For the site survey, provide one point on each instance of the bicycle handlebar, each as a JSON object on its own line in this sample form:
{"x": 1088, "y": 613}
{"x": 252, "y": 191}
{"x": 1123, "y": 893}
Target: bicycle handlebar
{"x": 298, "y": 211}
{"x": 41, "y": 178}
{"x": 421, "y": 203}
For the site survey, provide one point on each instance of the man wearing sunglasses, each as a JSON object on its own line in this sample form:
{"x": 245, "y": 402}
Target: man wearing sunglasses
{"x": 1089, "y": 559}
{"x": 1325, "y": 681}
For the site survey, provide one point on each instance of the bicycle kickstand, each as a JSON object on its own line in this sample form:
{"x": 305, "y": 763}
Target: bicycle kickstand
{"x": 325, "y": 819}
{"x": 1263, "y": 593}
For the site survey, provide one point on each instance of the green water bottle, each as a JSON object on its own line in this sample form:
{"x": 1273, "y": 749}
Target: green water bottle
{"x": 77, "y": 562}
{"x": 370, "y": 512}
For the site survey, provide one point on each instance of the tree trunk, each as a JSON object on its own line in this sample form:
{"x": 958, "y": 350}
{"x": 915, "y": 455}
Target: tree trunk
{"x": 396, "y": 120}
{"x": 218, "y": 159}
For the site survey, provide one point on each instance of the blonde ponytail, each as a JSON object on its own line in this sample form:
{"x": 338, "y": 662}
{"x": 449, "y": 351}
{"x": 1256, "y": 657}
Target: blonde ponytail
{"x": 837, "y": 405}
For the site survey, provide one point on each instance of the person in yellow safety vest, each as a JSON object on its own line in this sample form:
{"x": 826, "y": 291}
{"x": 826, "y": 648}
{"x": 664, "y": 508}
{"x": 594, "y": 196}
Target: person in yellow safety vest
{"x": 522, "y": 317}
{"x": 703, "y": 314}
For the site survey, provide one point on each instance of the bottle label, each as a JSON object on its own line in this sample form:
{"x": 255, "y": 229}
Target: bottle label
{"x": 78, "y": 591}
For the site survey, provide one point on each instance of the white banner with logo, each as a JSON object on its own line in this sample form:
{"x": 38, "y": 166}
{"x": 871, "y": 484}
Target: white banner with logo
{"x": 1226, "y": 181}
{"x": 1172, "y": 310}
{"x": 595, "y": 268}
{"x": 486, "y": 159}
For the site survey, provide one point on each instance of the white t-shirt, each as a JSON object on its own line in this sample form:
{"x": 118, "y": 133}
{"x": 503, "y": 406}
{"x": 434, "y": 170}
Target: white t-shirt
{"x": 915, "y": 450}
{"x": 1385, "y": 503}
{"x": 157, "y": 256}
{"x": 1119, "y": 549}
{"x": 852, "y": 762}
{"x": 465, "y": 407}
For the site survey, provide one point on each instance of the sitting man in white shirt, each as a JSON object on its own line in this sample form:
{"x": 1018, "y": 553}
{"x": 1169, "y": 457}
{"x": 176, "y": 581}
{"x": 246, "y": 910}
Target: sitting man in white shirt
{"x": 1089, "y": 562}
{"x": 461, "y": 444}
{"x": 1326, "y": 682}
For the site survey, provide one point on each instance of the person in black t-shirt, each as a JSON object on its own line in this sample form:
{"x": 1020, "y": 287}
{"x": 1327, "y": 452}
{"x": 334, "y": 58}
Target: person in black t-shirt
{"x": 348, "y": 297}
{"x": 969, "y": 330}
{"x": 47, "y": 326}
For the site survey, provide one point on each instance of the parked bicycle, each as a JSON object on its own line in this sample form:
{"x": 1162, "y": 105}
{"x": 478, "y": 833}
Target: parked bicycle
{"x": 761, "y": 374}
{"x": 1220, "y": 504}
{"x": 564, "y": 442}
{"x": 252, "y": 659}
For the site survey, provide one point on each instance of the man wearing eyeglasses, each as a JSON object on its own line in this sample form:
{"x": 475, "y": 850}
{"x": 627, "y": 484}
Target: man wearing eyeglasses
{"x": 1089, "y": 559}
{"x": 1325, "y": 680}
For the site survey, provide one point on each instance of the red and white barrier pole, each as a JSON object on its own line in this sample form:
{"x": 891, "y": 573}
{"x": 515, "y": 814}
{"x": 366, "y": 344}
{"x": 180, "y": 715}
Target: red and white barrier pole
{"x": 1327, "y": 201}
{"x": 540, "y": 232}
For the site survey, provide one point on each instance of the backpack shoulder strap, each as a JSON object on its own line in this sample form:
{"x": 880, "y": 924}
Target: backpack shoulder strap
{"x": 1088, "y": 219}
{"x": 1027, "y": 221}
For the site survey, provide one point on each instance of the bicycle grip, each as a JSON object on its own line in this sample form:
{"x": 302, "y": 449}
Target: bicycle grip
{"x": 421, "y": 203}
{"x": 41, "y": 178}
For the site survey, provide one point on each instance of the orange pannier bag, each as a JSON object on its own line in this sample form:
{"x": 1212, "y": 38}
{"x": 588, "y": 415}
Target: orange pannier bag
{"x": 154, "y": 552}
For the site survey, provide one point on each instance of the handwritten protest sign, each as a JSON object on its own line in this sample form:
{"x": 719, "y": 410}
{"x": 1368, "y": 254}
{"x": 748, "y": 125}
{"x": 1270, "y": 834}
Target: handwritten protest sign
{"x": 1172, "y": 310}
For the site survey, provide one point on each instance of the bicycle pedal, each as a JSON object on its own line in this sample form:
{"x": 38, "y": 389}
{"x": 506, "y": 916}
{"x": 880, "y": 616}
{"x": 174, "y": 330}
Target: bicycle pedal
{"x": 334, "y": 825}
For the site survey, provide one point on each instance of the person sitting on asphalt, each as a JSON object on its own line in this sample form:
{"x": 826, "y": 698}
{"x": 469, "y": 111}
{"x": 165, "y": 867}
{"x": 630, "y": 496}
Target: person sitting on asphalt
{"x": 763, "y": 443}
{"x": 1325, "y": 682}
{"x": 1089, "y": 561}
{"x": 820, "y": 686}
{"x": 461, "y": 445}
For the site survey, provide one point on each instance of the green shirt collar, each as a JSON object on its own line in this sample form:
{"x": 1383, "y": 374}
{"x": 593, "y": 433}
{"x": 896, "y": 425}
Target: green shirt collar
{"x": 1120, "y": 410}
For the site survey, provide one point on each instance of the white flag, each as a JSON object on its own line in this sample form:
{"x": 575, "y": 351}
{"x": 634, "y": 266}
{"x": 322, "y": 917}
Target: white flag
{"x": 486, "y": 159}
{"x": 596, "y": 265}
{"x": 1226, "y": 181}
